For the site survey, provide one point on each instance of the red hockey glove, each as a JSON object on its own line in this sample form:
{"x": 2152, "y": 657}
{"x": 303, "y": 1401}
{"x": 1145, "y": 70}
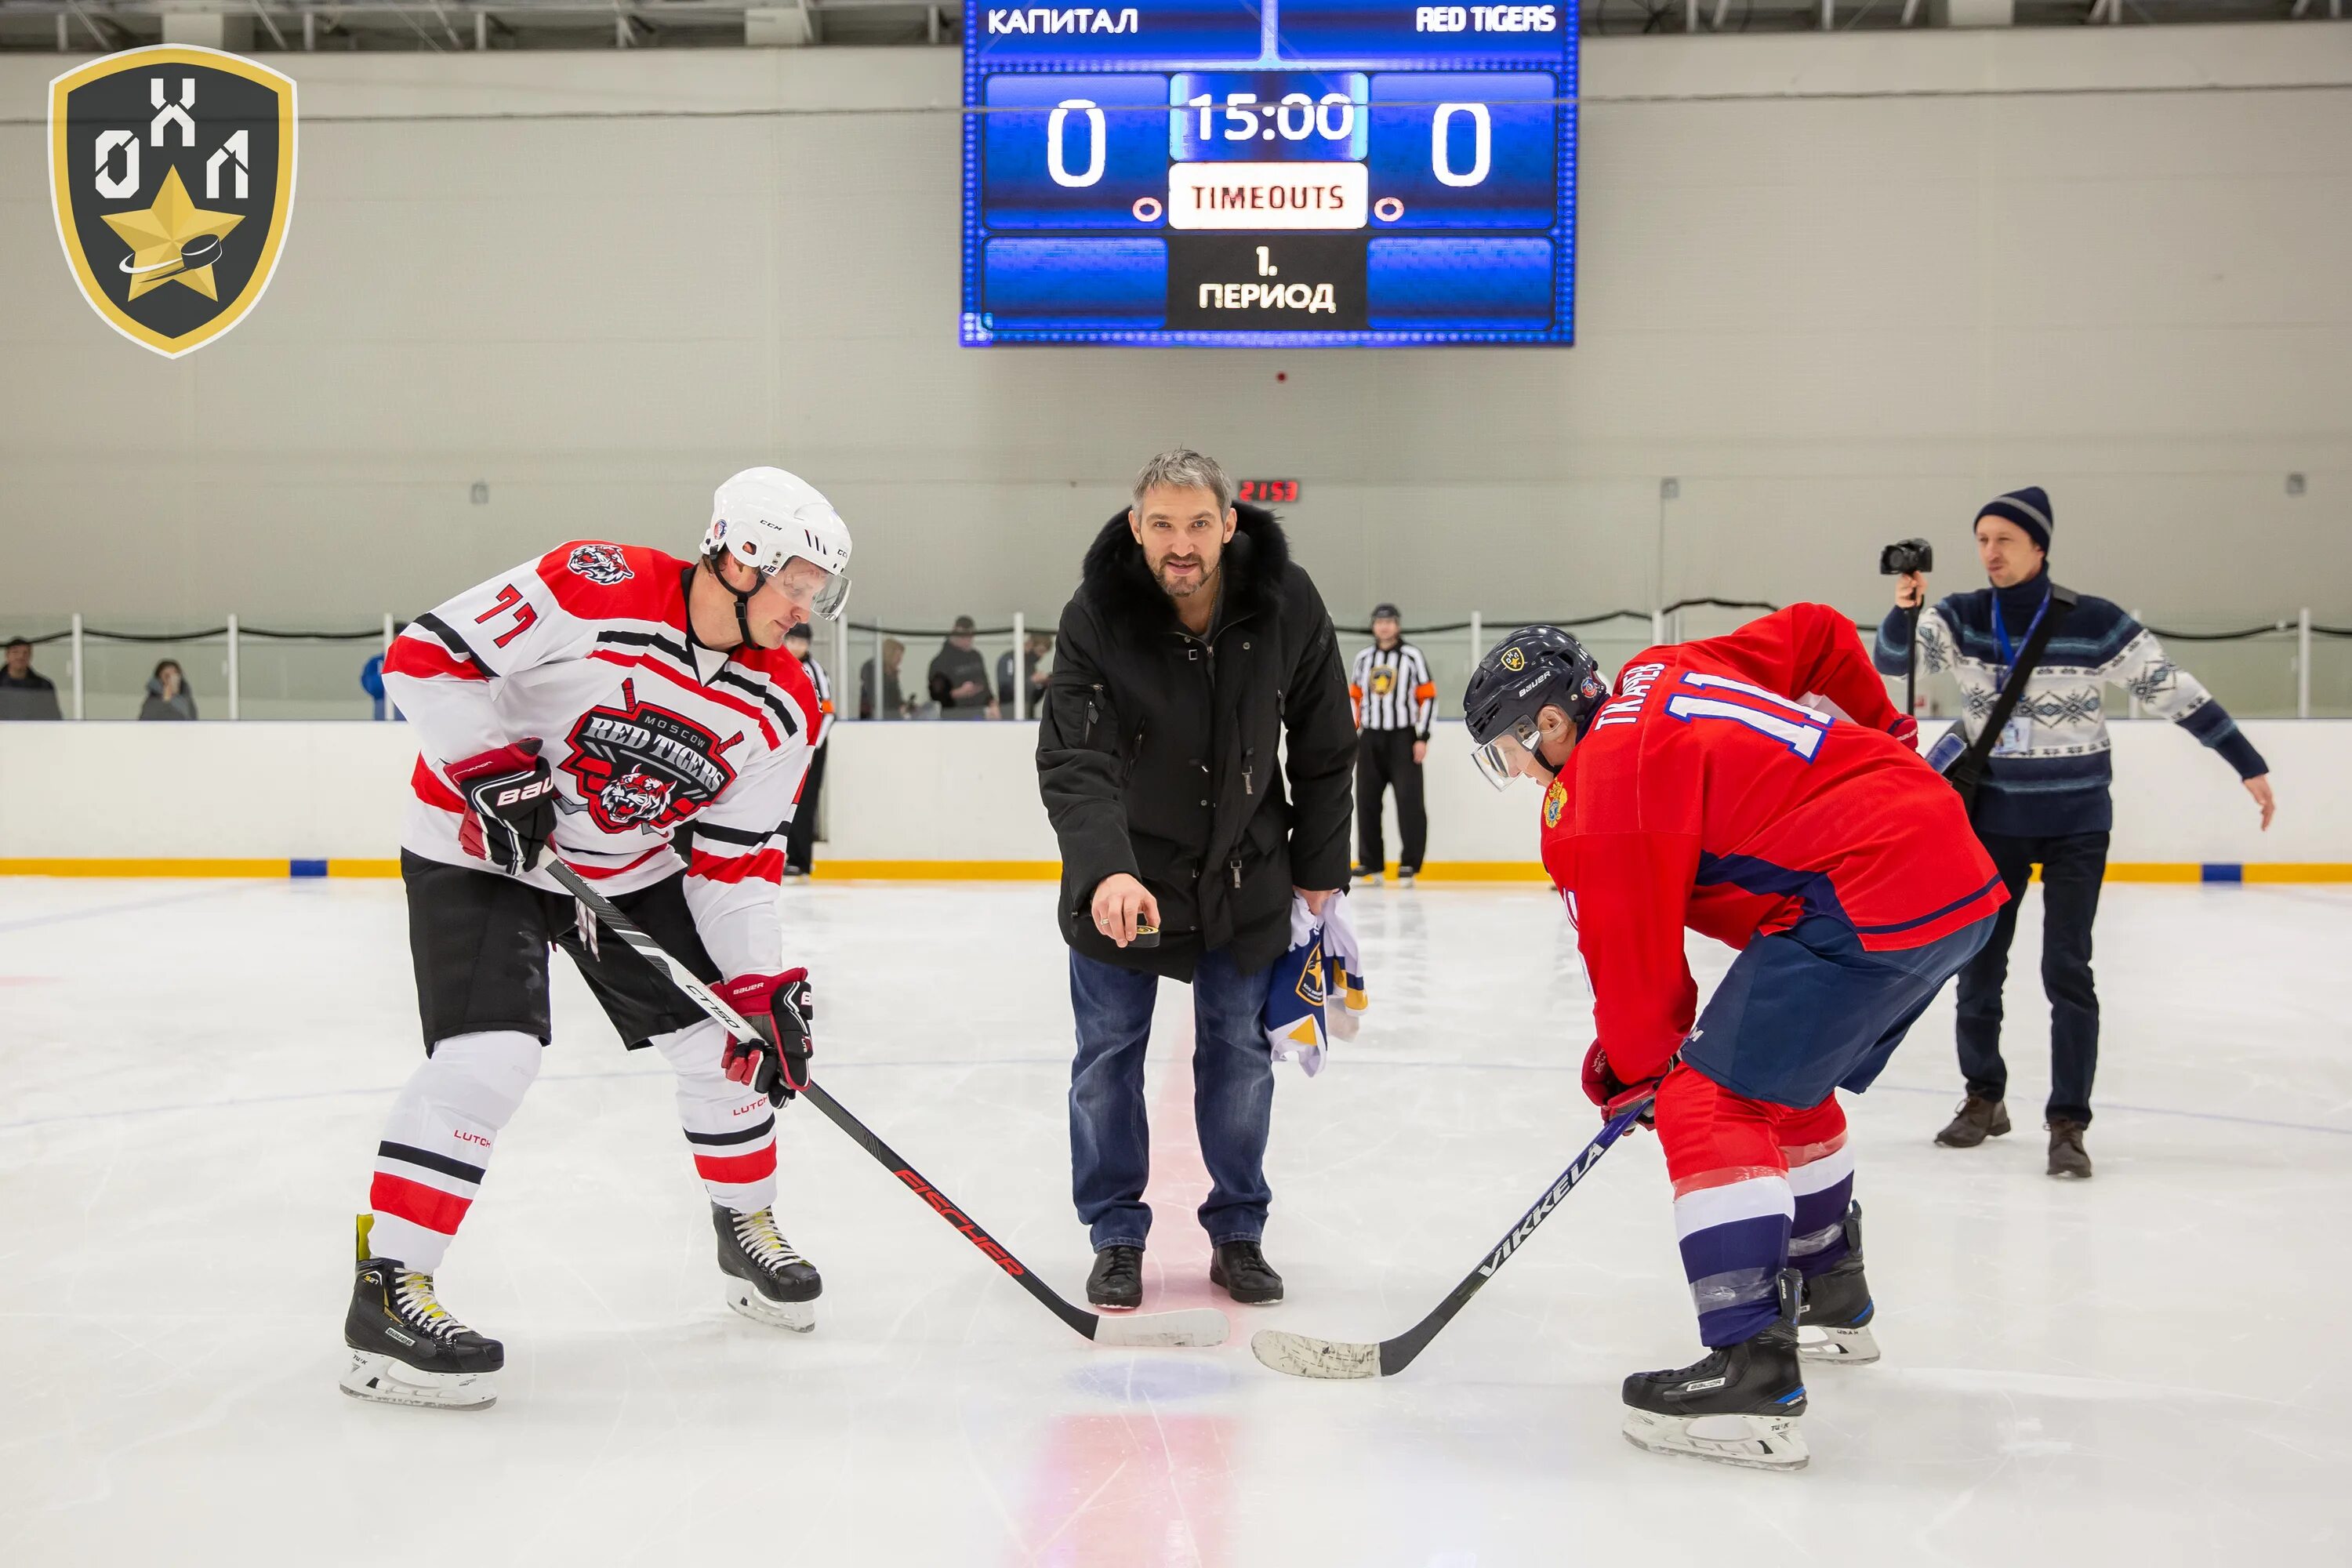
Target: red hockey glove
{"x": 1906, "y": 729}
{"x": 782, "y": 1008}
{"x": 510, "y": 796}
{"x": 1612, "y": 1094}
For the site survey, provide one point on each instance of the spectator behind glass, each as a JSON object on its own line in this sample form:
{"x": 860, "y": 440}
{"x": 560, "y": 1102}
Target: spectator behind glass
{"x": 23, "y": 694}
{"x": 1035, "y": 647}
{"x": 168, "y": 695}
{"x": 894, "y": 699}
{"x": 959, "y": 679}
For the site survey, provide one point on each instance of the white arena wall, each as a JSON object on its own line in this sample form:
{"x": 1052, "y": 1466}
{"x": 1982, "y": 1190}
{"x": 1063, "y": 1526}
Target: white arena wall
{"x": 1842, "y": 287}
{"x": 955, "y": 800}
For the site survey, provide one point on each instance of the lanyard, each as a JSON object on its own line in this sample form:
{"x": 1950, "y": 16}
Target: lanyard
{"x": 2000, "y": 631}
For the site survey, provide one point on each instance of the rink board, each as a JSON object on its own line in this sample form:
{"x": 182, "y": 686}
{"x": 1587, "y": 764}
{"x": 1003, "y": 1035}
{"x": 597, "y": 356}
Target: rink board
{"x": 958, "y": 803}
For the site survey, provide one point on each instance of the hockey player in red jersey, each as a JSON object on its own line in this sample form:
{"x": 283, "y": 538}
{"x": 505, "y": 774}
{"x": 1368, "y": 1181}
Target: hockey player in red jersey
{"x": 1760, "y": 789}
{"x": 590, "y": 705}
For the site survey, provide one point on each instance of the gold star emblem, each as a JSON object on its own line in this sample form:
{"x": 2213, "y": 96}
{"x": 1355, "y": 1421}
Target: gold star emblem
{"x": 165, "y": 239}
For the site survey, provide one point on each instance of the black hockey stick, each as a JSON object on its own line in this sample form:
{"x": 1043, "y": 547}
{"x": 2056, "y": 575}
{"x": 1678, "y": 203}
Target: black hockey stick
{"x": 1196, "y": 1326}
{"x": 1303, "y": 1357}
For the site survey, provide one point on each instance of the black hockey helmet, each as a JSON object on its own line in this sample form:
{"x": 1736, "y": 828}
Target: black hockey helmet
{"x": 1534, "y": 669}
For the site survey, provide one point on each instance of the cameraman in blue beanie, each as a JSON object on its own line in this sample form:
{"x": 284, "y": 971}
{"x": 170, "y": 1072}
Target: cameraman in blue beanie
{"x": 2045, "y": 801}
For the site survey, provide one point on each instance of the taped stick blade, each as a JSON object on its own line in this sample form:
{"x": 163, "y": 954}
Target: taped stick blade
{"x": 1198, "y": 1327}
{"x": 1303, "y": 1357}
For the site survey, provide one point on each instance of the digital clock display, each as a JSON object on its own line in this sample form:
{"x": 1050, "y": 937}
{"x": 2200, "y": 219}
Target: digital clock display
{"x": 1269, "y": 174}
{"x": 1267, "y": 492}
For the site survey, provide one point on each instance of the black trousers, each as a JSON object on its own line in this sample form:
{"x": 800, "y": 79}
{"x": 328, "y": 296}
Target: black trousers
{"x": 800, "y": 840}
{"x": 2073, "y": 866}
{"x": 1384, "y": 760}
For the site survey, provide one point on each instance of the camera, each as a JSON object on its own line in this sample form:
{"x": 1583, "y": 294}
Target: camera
{"x": 1910, "y": 555}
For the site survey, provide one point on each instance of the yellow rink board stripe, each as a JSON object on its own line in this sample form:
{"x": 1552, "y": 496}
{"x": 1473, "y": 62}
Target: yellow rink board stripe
{"x": 1442, "y": 871}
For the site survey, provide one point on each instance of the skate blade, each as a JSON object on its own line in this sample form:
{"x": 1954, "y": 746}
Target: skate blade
{"x": 380, "y": 1380}
{"x": 1855, "y": 1346}
{"x": 1301, "y": 1357}
{"x": 799, "y": 1316}
{"x": 1751, "y": 1442}
{"x": 1196, "y": 1328}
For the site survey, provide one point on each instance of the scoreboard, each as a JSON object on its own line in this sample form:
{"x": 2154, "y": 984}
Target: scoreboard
{"x": 1269, "y": 174}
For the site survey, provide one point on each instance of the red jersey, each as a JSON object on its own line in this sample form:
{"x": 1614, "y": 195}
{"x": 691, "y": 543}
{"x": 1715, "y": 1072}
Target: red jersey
{"x": 587, "y": 651}
{"x": 1705, "y": 794}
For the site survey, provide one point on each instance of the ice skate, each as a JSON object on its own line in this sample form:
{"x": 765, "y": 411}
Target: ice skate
{"x": 767, "y": 1280}
{"x": 1740, "y": 1405}
{"x": 406, "y": 1349}
{"x": 1833, "y": 1328}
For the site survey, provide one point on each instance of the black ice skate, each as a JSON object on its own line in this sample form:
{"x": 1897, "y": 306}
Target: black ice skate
{"x": 1835, "y": 1326}
{"x": 767, "y": 1281}
{"x": 406, "y": 1349}
{"x": 1738, "y": 1406}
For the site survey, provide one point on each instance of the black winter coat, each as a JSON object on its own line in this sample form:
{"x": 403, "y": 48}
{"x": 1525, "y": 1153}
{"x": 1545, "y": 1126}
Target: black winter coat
{"x": 1157, "y": 752}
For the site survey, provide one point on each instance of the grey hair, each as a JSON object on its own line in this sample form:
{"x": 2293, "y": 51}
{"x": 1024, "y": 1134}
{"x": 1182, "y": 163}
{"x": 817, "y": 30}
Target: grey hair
{"x": 1183, "y": 468}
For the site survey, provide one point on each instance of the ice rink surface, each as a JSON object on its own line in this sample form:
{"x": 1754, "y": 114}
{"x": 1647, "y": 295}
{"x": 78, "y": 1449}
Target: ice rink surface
{"x": 2148, "y": 1368}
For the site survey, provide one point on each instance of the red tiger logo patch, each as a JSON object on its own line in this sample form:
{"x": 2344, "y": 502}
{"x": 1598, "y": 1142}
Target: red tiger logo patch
{"x": 601, "y": 563}
{"x": 644, "y": 767}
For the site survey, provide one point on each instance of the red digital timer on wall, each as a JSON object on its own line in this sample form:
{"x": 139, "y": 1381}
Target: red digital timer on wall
{"x": 1267, "y": 492}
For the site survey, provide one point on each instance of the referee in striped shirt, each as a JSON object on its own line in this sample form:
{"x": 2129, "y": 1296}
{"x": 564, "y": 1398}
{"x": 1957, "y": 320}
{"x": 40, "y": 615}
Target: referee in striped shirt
{"x": 1395, "y": 701}
{"x": 800, "y": 838}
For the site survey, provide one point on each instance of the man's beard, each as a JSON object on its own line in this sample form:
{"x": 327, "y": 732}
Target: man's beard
{"x": 1185, "y": 589}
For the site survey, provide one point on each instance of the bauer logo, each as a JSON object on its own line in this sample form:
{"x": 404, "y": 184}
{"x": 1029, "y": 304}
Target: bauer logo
{"x": 171, "y": 179}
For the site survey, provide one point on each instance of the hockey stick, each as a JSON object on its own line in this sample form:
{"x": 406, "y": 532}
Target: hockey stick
{"x": 1197, "y": 1326}
{"x": 1303, "y": 1357}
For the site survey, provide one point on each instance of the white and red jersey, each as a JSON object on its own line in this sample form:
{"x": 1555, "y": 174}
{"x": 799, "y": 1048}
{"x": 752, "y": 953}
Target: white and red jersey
{"x": 587, "y": 651}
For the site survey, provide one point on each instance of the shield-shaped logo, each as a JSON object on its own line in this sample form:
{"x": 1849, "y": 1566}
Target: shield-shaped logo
{"x": 172, "y": 176}
{"x": 1513, "y": 659}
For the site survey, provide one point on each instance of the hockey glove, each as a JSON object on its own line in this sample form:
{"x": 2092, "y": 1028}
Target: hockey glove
{"x": 782, "y": 1008}
{"x": 1612, "y": 1093}
{"x": 1906, "y": 729}
{"x": 510, "y": 796}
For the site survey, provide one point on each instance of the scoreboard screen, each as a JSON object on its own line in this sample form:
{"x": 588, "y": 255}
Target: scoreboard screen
{"x": 1269, "y": 174}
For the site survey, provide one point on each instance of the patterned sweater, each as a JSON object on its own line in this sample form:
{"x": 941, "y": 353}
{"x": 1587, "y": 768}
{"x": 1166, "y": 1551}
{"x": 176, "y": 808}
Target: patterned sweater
{"x": 2057, "y": 781}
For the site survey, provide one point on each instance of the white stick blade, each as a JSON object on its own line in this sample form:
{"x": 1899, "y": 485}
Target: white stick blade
{"x": 1200, "y": 1327}
{"x": 1303, "y": 1357}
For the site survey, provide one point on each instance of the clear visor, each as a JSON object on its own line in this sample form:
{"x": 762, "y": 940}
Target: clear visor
{"x": 832, "y": 597}
{"x": 1500, "y": 760}
{"x": 826, "y": 599}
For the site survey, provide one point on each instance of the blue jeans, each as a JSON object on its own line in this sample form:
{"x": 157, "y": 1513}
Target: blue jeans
{"x": 1232, "y": 1098}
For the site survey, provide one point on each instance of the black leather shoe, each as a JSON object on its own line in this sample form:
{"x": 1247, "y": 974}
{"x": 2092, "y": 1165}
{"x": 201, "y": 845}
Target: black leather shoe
{"x": 1115, "y": 1285}
{"x": 1241, "y": 1270}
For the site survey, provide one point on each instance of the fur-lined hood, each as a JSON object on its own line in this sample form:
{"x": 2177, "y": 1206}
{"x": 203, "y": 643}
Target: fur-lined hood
{"x": 1255, "y": 562}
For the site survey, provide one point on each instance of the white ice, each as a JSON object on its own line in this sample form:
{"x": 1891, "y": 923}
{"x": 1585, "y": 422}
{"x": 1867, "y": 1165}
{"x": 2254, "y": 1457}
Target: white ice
{"x": 2148, "y": 1368}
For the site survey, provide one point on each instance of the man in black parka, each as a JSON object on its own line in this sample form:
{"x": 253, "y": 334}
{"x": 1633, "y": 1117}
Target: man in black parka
{"x": 1193, "y": 648}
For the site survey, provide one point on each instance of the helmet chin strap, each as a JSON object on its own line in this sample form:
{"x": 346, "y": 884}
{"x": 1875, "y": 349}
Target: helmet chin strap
{"x": 742, "y": 599}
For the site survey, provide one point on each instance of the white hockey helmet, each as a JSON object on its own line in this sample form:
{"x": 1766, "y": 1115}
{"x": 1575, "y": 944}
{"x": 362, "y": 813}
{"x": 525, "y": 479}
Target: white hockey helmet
{"x": 765, "y": 517}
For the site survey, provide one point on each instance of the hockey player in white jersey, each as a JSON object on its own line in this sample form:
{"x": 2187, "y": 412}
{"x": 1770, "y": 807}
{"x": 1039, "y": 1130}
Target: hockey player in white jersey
{"x": 588, "y": 705}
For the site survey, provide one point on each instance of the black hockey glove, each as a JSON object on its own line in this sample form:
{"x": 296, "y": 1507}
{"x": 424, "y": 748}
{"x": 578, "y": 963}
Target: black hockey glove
{"x": 511, "y": 799}
{"x": 783, "y": 1009}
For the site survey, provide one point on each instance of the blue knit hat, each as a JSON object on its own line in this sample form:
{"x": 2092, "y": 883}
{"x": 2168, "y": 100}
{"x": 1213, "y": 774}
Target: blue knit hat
{"x": 2029, "y": 509}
